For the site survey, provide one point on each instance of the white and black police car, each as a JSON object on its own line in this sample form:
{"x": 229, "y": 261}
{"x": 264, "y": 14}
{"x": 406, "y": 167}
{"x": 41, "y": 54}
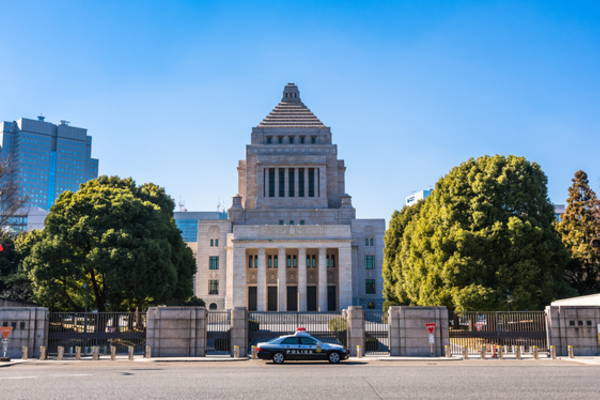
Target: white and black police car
{"x": 300, "y": 346}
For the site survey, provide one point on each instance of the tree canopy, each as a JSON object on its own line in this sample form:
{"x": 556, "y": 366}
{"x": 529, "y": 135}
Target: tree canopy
{"x": 112, "y": 245}
{"x": 579, "y": 225}
{"x": 483, "y": 240}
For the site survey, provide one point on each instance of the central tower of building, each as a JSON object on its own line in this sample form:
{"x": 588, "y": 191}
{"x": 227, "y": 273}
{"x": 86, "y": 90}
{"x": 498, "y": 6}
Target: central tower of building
{"x": 292, "y": 241}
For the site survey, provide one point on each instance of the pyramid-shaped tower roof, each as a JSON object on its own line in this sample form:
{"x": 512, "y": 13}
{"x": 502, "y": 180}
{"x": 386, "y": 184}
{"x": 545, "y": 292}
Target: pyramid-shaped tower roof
{"x": 291, "y": 112}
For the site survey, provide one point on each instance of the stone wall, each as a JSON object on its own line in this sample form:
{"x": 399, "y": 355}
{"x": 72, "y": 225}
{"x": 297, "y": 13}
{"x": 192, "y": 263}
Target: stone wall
{"x": 30, "y": 328}
{"x": 576, "y": 326}
{"x": 177, "y": 331}
{"x": 408, "y": 335}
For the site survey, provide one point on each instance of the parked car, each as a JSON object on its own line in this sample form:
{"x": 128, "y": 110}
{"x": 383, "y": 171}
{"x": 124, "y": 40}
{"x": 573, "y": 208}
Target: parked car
{"x": 300, "y": 346}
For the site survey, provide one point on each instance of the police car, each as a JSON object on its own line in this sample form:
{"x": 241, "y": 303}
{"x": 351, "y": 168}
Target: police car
{"x": 300, "y": 346}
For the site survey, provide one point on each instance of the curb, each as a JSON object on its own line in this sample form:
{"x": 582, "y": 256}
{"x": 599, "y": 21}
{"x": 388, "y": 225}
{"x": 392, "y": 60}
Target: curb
{"x": 194, "y": 359}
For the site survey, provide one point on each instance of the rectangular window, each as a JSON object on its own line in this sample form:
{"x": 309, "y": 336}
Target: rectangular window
{"x": 366, "y": 241}
{"x": 216, "y": 242}
{"x": 213, "y": 287}
{"x": 311, "y": 182}
{"x": 211, "y": 243}
{"x": 291, "y": 222}
{"x": 371, "y": 241}
{"x": 370, "y": 286}
{"x": 301, "y": 139}
{"x": 270, "y": 261}
{"x": 275, "y": 263}
{"x": 369, "y": 262}
{"x": 280, "y": 222}
{"x": 271, "y": 182}
{"x": 281, "y": 182}
{"x": 300, "y": 182}
{"x": 291, "y": 182}
{"x": 280, "y": 139}
{"x": 313, "y": 139}
{"x": 301, "y": 222}
{"x": 213, "y": 262}
{"x": 288, "y": 259}
{"x": 269, "y": 139}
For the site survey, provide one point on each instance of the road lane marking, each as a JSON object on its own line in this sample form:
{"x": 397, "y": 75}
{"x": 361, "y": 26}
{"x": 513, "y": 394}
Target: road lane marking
{"x": 19, "y": 377}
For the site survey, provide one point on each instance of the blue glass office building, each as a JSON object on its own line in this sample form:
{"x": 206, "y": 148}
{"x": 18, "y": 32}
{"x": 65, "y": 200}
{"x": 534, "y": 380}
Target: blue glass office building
{"x": 48, "y": 158}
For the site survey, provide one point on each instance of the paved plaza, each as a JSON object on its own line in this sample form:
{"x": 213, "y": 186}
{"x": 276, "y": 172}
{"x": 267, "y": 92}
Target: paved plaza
{"x": 473, "y": 379}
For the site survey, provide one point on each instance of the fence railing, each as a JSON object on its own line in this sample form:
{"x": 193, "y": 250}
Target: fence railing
{"x": 103, "y": 329}
{"x": 474, "y": 329}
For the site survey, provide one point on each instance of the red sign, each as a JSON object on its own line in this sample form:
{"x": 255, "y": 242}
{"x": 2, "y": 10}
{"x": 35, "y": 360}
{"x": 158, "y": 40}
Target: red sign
{"x": 430, "y": 327}
{"x": 5, "y": 331}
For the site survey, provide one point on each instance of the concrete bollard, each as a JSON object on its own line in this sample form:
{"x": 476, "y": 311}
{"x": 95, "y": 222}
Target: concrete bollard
{"x": 130, "y": 350}
{"x": 60, "y": 352}
{"x": 148, "y": 352}
{"x": 43, "y": 352}
{"x": 447, "y": 351}
{"x": 465, "y": 353}
{"x": 95, "y": 352}
{"x": 553, "y": 352}
{"x": 78, "y": 352}
{"x": 24, "y": 352}
{"x": 253, "y": 352}
{"x": 236, "y": 351}
{"x": 518, "y": 353}
{"x": 570, "y": 351}
{"x": 482, "y": 352}
{"x": 501, "y": 352}
{"x": 113, "y": 352}
{"x": 359, "y": 350}
{"x": 505, "y": 349}
{"x": 536, "y": 352}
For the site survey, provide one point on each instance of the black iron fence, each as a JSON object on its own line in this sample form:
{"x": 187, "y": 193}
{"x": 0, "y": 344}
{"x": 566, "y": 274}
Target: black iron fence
{"x": 329, "y": 327}
{"x": 377, "y": 332}
{"x": 218, "y": 334}
{"x": 473, "y": 330}
{"x": 103, "y": 329}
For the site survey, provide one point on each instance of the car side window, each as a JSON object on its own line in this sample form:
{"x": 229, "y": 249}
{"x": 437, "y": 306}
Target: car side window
{"x": 290, "y": 340}
{"x": 307, "y": 340}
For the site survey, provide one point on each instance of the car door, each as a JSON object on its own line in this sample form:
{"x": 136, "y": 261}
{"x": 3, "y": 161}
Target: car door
{"x": 291, "y": 348}
{"x": 311, "y": 348}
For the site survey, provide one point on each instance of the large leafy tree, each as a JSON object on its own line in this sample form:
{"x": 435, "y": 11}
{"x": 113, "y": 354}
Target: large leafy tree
{"x": 579, "y": 226}
{"x": 393, "y": 281}
{"x": 484, "y": 240}
{"x": 14, "y": 283}
{"x": 112, "y": 245}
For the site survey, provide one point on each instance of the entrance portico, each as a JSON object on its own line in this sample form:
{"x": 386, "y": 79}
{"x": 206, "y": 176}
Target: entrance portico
{"x": 279, "y": 274}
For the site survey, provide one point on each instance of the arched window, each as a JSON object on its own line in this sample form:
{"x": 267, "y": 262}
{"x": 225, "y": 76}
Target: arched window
{"x": 212, "y": 306}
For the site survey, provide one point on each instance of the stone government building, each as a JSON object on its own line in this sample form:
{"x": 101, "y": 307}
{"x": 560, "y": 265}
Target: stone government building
{"x": 292, "y": 241}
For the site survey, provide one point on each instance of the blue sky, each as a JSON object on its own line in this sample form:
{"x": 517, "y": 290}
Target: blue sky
{"x": 170, "y": 90}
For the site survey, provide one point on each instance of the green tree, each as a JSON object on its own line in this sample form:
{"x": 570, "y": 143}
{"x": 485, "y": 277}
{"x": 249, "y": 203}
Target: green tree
{"x": 14, "y": 283}
{"x": 111, "y": 245}
{"x": 484, "y": 239}
{"x": 578, "y": 226}
{"x": 393, "y": 282}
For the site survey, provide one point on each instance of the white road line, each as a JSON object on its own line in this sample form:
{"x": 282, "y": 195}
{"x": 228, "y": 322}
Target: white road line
{"x": 67, "y": 375}
{"x": 19, "y": 377}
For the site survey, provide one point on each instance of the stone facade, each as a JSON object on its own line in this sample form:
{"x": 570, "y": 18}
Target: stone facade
{"x": 577, "y": 326}
{"x": 177, "y": 331}
{"x": 292, "y": 240}
{"x": 408, "y": 335}
{"x": 30, "y": 328}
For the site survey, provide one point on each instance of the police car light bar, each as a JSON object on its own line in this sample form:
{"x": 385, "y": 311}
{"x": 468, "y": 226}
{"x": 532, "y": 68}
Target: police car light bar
{"x": 300, "y": 329}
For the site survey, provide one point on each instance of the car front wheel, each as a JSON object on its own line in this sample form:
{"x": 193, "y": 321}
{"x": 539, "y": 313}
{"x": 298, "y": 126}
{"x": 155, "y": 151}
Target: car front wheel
{"x": 334, "y": 357}
{"x": 278, "y": 358}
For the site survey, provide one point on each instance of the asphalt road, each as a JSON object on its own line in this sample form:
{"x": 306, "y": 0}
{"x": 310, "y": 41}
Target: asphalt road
{"x": 471, "y": 379}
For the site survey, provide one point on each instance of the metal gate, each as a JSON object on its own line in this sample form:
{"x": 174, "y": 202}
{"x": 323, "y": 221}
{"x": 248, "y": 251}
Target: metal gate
{"x": 330, "y": 327}
{"x": 473, "y": 330}
{"x": 218, "y": 332}
{"x": 103, "y": 329}
{"x": 377, "y": 332}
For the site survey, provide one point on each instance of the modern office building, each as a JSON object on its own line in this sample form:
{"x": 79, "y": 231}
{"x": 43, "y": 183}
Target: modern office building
{"x": 27, "y": 219}
{"x": 292, "y": 241}
{"x": 47, "y": 158}
{"x": 188, "y": 222}
{"x": 416, "y": 196}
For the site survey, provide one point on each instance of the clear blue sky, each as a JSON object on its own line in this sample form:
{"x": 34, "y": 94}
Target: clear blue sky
{"x": 170, "y": 90}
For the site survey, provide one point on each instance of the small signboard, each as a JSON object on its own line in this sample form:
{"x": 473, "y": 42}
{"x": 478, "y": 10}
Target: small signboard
{"x": 430, "y": 327}
{"x": 5, "y": 331}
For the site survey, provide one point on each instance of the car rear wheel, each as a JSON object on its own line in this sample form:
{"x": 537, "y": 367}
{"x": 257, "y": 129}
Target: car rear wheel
{"x": 278, "y": 358}
{"x": 334, "y": 357}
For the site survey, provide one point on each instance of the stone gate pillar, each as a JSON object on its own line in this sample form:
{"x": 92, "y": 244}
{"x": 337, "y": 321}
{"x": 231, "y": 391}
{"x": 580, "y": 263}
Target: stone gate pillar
{"x": 239, "y": 330}
{"x": 408, "y": 336}
{"x": 355, "y": 318}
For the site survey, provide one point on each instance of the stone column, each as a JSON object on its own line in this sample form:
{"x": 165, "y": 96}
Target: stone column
{"x": 301, "y": 279}
{"x": 281, "y": 281}
{"x": 305, "y": 182}
{"x": 261, "y": 282}
{"x": 235, "y": 293}
{"x": 276, "y": 183}
{"x": 356, "y": 329}
{"x": 345, "y": 275}
{"x": 239, "y": 330}
{"x": 322, "y": 278}
{"x": 286, "y": 185}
